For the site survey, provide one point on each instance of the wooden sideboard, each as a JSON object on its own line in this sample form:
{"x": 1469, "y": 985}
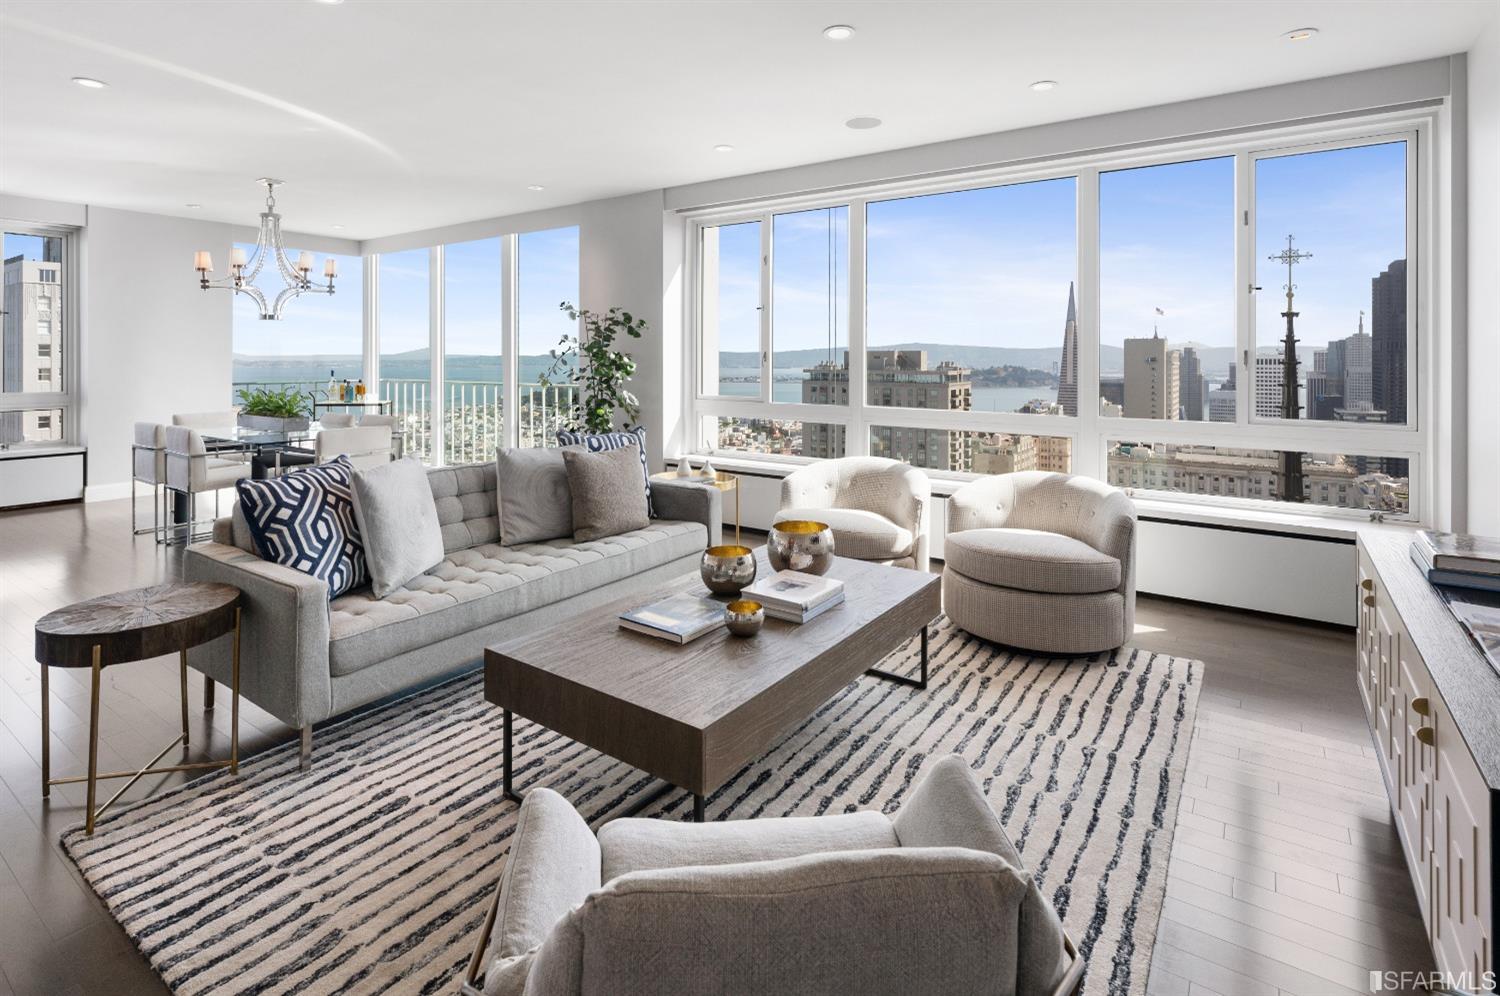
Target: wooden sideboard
{"x": 1433, "y": 704}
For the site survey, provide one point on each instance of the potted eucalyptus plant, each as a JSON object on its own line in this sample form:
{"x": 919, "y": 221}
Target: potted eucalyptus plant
{"x": 278, "y": 410}
{"x": 595, "y": 373}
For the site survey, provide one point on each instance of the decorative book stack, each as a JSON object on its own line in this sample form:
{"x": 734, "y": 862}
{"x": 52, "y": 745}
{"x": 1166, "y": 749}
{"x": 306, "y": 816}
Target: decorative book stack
{"x": 679, "y": 619}
{"x": 796, "y": 597}
{"x": 1458, "y": 560}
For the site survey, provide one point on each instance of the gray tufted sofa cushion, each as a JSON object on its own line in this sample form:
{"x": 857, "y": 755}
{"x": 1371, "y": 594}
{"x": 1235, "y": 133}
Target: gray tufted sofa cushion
{"x": 465, "y": 500}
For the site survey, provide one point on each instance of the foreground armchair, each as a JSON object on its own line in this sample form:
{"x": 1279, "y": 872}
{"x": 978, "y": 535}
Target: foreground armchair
{"x": 1043, "y": 562}
{"x": 933, "y": 901}
{"x": 877, "y": 508}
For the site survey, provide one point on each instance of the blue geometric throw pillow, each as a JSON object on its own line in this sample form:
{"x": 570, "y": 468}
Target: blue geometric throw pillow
{"x": 305, "y": 520}
{"x": 599, "y": 442}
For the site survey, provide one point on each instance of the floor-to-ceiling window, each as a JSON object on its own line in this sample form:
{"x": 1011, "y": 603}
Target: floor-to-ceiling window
{"x": 473, "y": 350}
{"x": 546, "y": 277}
{"x": 406, "y": 345}
{"x": 1219, "y": 321}
{"x": 37, "y": 368}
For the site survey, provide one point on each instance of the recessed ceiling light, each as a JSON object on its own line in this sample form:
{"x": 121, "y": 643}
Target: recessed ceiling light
{"x": 331, "y": 2}
{"x": 192, "y": 207}
{"x": 92, "y": 84}
{"x": 1300, "y": 34}
{"x": 338, "y": 228}
{"x": 535, "y": 186}
{"x": 838, "y": 32}
{"x": 723, "y": 148}
{"x": 861, "y": 124}
{"x": 1042, "y": 86}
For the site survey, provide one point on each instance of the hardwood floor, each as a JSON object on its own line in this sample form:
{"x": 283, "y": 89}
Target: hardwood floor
{"x": 1286, "y": 875}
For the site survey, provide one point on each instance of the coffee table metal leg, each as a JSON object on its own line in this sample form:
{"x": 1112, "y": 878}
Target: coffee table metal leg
{"x": 93, "y": 741}
{"x": 234, "y": 705}
{"x": 902, "y": 679}
{"x": 697, "y": 808}
{"x": 46, "y": 737}
{"x": 505, "y": 777}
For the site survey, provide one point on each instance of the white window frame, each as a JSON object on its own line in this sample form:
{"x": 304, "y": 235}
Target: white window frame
{"x": 1090, "y": 432}
{"x": 68, "y": 332}
{"x": 510, "y": 332}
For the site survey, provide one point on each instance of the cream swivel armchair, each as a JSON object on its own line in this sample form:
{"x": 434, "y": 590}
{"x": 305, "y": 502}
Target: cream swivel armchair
{"x": 1043, "y": 562}
{"x": 935, "y": 900}
{"x": 877, "y": 508}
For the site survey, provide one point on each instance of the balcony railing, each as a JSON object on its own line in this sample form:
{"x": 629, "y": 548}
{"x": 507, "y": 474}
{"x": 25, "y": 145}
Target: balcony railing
{"x": 473, "y": 425}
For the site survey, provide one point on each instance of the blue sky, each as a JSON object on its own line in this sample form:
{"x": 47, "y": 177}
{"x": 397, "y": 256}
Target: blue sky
{"x": 314, "y": 323}
{"x": 991, "y": 266}
{"x": 979, "y": 267}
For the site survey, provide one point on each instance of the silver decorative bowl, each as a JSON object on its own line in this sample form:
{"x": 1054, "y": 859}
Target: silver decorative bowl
{"x": 744, "y": 617}
{"x": 726, "y": 570}
{"x": 800, "y": 545}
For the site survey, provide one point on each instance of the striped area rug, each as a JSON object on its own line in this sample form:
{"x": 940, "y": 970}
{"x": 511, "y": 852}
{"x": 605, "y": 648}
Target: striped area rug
{"x": 370, "y": 873}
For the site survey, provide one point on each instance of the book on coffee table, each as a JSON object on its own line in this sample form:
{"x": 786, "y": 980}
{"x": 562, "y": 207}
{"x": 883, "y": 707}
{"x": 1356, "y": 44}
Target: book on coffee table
{"x": 795, "y": 596}
{"x": 679, "y": 619}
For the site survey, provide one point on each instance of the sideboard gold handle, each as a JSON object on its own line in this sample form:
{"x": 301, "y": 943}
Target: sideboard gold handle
{"x": 1370, "y": 601}
{"x": 1422, "y": 707}
{"x": 1368, "y": 584}
{"x": 1426, "y": 735}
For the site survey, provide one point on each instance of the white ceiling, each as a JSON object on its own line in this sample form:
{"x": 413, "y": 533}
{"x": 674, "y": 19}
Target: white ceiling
{"x": 387, "y": 116}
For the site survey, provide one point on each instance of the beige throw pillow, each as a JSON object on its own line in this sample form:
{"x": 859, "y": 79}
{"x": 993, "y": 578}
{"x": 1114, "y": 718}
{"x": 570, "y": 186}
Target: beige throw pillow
{"x": 607, "y": 495}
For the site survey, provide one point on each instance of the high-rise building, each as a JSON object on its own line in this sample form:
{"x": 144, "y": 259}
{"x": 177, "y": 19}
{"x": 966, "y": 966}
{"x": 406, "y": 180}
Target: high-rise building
{"x": 899, "y": 378}
{"x": 1388, "y": 342}
{"x": 1192, "y": 386}
{"x": 1067, "y": 377}
{"x": 1269, "y": 367}
{"x": 1151, "y": 379}
{"x": 1112, "y": 390}
{"x": 31, "y": 344}
{"x": 1359, "y": 392}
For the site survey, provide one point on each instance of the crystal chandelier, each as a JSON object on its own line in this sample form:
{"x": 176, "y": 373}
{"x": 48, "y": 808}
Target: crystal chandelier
{"x": 242, "y": 271}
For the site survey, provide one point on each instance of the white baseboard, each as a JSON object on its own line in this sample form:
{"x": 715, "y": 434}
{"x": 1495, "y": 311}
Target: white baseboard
{"x": 114, "y": 491}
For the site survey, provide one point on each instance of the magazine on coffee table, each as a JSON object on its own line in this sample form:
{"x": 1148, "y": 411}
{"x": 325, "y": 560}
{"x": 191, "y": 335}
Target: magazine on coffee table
{"x": 794, "y": 591}
{"x": 679, "y": 619}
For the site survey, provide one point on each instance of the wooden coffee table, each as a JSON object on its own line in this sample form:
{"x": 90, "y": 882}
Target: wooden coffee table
{"x": 695, "y": 715}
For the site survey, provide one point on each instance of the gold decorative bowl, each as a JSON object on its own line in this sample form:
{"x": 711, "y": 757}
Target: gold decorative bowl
{"x": 744, "y": 617}
{"x": 800, "y": 545}
{"x": 726, "y": 570}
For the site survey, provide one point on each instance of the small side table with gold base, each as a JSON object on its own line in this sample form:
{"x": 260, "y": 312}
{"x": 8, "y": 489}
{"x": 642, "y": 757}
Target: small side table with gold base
{"x": 723, "y": 480}
{"x": 129, "y": 626}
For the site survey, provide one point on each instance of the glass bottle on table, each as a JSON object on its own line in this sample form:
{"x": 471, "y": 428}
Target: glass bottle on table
{"x": 359, "y": 390}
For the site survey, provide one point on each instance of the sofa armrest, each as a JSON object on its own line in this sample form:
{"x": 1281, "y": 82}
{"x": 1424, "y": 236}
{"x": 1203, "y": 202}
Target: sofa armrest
{"x": 283, "y": 633}
{"x": 690, "y": 501}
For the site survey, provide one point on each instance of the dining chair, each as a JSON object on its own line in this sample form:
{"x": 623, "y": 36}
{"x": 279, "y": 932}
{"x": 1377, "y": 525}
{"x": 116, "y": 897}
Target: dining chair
{"x": 193, "y": 470}
{"x": 148, "y": 465}
{"x": 398, "y": 439}
{"x": 364, "y": 445}
{"x": 336, "y": 420}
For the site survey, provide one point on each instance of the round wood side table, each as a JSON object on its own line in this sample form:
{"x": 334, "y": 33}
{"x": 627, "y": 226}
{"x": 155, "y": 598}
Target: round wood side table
{"x": 129, "y": 626}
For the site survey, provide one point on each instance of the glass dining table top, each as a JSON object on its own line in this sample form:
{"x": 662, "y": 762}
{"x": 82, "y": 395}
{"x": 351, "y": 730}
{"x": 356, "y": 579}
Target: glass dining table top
{"x": 244, "y": 437}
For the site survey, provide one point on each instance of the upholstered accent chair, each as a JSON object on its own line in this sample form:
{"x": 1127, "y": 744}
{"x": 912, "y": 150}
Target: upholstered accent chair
{"x": 877, "y": 508}
{"x": 148, "y": 465}
{"x": 1043, "y": 562}
{"x": 192, "y": 470}
{"x": 935, "y": 900}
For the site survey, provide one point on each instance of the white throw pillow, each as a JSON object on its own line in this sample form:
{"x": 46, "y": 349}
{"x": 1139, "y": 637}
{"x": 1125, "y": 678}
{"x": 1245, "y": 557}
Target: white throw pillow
{"x": 398, "y": 523}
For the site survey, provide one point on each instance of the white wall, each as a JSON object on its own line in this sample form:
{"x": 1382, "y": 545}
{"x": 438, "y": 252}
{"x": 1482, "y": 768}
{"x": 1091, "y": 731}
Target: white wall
{"x": 1484, "y": 282}
{"x": 154, "y": 344}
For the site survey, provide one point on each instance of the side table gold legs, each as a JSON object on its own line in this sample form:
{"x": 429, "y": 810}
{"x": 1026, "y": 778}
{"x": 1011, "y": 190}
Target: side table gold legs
{"x": 92, "y": 813}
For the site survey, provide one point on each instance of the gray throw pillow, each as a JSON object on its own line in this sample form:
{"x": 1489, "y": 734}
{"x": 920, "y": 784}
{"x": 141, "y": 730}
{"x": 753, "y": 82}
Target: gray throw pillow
{"x": 607, "y": 495}
{"x": 398, "y": 522}
{"x": 532, "y": 492}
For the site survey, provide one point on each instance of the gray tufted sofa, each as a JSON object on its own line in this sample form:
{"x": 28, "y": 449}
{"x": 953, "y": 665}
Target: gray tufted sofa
{"x": 305, "y": 659}
{"x": 1040, "y": 561}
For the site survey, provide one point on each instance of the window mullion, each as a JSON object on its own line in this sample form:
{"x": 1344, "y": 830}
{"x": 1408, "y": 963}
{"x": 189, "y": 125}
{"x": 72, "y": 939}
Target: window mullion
{"x": 510, "y": 355}
{"x": 1091, "y": 448}
{"x": 1244, "y": 286}
{"x": 437, "y": 410}
{"x": 371, "y": 323}
{"x": 767, "y": 389}
{"x": 857, "y": 436}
